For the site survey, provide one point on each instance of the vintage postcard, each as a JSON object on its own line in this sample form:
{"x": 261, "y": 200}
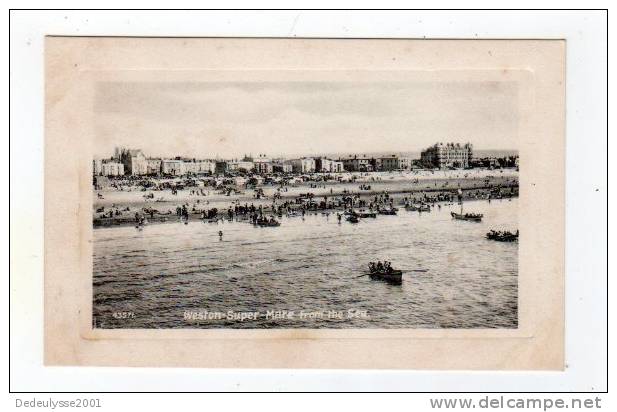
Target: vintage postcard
{"x": 331, "y": 203}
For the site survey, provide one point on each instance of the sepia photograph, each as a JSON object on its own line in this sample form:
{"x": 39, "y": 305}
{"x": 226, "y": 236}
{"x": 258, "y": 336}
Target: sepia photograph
{"x": 323, "y": 197}
{"x": 306, "y": 204}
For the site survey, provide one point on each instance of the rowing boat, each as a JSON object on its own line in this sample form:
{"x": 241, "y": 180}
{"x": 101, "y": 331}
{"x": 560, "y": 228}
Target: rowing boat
{"x": 502, "y": 237}
{"x": 394, "y": 276}
{"x": 387, "y": 212}
{"x": 353, "y": 219}
{"x": 418, "y": 208}
{"x": 271, "y": 223}
{"x": 473, "y": 217}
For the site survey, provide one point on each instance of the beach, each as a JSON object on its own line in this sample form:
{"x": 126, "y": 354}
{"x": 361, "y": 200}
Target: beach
{"x": 113, "y": 206}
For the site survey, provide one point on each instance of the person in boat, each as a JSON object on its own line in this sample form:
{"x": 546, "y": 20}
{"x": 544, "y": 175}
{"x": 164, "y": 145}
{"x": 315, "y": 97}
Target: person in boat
{"x": 387, "y": 267}
{"x": 379, "y": 266}
{"x": 371, "y": 267}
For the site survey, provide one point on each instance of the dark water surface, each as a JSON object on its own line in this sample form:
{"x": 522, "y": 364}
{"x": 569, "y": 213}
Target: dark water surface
{"x": 149, "y": 278}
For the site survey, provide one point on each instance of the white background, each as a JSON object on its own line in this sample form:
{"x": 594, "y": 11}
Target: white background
{"x": 586, "y": 269}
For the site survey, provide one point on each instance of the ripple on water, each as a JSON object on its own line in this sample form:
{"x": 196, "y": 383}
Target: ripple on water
{"x": 465, "y": 281}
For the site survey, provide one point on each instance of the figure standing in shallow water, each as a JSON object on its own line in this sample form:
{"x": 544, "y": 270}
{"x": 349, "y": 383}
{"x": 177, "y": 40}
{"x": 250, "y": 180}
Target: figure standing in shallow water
{"x": 220, "y": 235}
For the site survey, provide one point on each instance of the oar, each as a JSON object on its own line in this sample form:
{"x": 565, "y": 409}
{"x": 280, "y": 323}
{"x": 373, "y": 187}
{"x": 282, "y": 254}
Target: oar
{"x": 413, "y": 270}
{"x": 402, "y": 270}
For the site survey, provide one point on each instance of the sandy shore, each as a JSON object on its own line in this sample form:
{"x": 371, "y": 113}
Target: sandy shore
{"x": 475, "y": 184}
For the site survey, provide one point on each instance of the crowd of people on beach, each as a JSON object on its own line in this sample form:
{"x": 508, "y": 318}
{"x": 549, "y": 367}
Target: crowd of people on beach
{"x": 305, "y": 202}
{"x": 279, "y": 202}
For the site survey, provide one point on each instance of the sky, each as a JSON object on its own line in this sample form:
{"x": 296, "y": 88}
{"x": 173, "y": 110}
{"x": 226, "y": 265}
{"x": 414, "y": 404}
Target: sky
{"x": 289, "y": 119}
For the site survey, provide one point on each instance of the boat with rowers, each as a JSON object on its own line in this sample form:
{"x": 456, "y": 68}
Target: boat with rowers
{"x": 385, "y": 272}
{"x": 500, "y": 236}
{"x": 365, "y": 214}
{"x": 387, "y": 211}
{"x": 265, "y": 222}
{"x": 352, "y": 219}
{"x": 472, "y": 217}
{"x": 418, "y": 208}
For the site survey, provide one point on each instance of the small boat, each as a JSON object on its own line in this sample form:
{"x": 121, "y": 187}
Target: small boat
{"x": 268, "y": 223}
{"x": 387, "y": 212}
{"x": 472, "y": 217}
{"x": 418, "y": 208}
{"x": 352, "y": 219}
{"x": 394, "y": 276}
{"x": 502, "y": 236}
{"x": 365, "y": 214}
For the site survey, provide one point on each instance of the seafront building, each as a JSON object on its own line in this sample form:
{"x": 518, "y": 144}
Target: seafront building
{"x": 447, "y": 155}
{"x": 336, "y": 166}
{"x": 134, "y": 161}
{"x": 405, "y": 163}
{"x": 325, "y": 165}
{"x": 195, "y": 166}
{"x": 282, "y": 167}
{"x": 264, "y": 167}
{"x": 239, "y": 166}
{"x": 153, "y": 166}
{"x": 220, "y": 166}
{"x": 353, "y": 163}
{"x": 389, "y": 163}
{"x": 112, "y": 169}
{"x": 107, "y": 167}
{"x": 174, "y": 167}
{"x": 303, "y": 165}
{"x": 97, "y": 167}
